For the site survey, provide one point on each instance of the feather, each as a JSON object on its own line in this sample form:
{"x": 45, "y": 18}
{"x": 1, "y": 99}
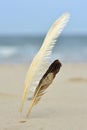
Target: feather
{"x": 44, "y": 83}
{"x": 39, "y": 64}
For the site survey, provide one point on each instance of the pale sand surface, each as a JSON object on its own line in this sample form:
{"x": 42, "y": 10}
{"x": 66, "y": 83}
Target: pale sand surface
{"x": 63, "y": 107}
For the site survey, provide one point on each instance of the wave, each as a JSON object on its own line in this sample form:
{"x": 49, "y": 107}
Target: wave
{"x": 6, "y": 51}
{"x": 68, "y": 49}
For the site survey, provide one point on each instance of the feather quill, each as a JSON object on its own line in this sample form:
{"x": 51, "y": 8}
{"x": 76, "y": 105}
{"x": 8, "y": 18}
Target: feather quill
{"x": 44, "y": 83}
{"x": 39, "y": 64}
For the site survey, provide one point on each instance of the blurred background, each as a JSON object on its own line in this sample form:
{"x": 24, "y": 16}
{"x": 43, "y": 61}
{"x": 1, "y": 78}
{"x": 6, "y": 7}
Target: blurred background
{"x": 24, "y": 24}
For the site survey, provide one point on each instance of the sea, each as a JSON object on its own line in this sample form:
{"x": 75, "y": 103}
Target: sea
{"x": 22, "y": 48}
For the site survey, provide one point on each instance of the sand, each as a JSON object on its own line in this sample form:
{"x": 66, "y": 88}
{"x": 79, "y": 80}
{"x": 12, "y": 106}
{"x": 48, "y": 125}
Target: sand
{"x": 63, "y": 107}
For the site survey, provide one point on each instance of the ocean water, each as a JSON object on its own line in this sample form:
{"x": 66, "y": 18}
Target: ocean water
{"x": 22, "y": 49}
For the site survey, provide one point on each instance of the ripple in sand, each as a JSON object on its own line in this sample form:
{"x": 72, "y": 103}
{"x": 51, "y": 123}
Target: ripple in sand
{"x": 78, "y": 79}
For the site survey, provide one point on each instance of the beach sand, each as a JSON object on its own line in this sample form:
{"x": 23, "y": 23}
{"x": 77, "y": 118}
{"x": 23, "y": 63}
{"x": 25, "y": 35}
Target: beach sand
{"x": 63, "y": 107}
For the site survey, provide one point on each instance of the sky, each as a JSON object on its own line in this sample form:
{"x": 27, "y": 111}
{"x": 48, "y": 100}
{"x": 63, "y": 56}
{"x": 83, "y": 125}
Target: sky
{"x": 36, "y": 16}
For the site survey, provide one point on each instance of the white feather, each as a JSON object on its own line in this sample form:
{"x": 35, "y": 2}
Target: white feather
{"x": 39, "y": 64}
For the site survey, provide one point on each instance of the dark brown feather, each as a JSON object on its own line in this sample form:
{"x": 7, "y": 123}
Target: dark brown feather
{"x": 44, "y": 83}
{"x": 49, "y": 75}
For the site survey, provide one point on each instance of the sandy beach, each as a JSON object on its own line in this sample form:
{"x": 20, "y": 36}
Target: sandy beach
{"x": 63, "y": 107}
